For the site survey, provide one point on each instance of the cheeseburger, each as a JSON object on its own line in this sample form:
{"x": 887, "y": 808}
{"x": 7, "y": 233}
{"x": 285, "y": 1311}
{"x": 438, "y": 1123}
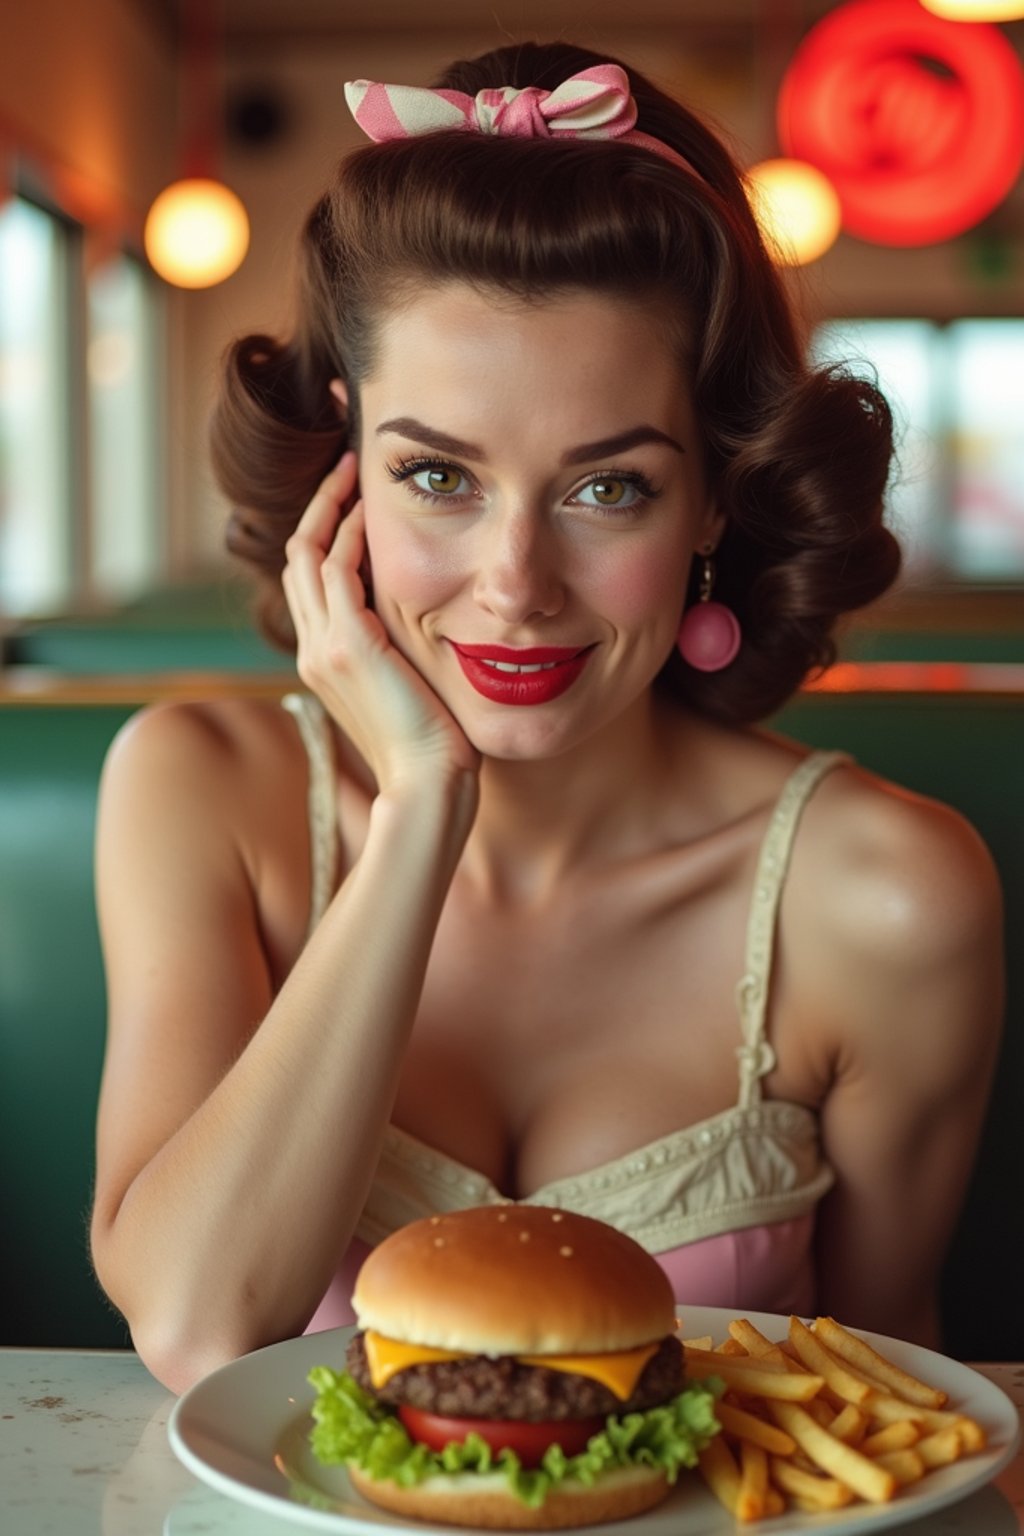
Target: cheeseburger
{"x": 515, "y": 1367}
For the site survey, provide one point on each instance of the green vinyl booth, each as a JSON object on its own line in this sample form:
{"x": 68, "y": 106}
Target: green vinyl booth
{"x": 965, "y": 749}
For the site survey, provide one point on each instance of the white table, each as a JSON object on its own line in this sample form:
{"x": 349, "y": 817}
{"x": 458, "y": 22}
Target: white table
{"x": 84, "y": 1452}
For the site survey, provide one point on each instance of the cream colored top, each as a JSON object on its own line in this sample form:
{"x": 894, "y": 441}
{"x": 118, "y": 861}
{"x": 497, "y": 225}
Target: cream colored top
{"x": 757, "y": 1163}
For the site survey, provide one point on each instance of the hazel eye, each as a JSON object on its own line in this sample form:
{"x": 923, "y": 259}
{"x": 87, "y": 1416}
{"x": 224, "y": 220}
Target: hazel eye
{"x": 441, "y": 481}
{"x": 610, "y": 491}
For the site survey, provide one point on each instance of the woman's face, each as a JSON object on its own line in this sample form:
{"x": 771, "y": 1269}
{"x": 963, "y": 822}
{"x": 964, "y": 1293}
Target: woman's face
{"x": 534, "y": 495}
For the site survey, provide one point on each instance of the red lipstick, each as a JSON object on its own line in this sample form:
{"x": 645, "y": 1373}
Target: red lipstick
{"x": 531, "y": 674}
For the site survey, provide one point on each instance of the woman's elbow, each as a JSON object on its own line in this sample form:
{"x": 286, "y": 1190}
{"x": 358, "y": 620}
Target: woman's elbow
{"x": 178, "y": 1343}
{"x": 178, "y": 1360}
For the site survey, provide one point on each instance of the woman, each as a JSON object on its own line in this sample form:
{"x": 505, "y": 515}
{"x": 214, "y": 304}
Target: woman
{"x": 514, "y": 901}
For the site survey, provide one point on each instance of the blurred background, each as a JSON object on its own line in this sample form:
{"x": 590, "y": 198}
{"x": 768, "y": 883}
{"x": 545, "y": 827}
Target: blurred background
{"x": 106, "y": 370}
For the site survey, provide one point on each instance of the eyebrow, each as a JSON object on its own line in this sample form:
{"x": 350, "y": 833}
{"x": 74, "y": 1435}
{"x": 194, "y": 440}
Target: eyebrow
{"x": 443, "y": 442}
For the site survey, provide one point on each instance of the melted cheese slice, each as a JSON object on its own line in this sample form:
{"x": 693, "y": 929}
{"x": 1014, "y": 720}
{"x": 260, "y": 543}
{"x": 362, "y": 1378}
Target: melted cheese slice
{"x": 386, "y": 1357}
{"x": 619, "y": 1372}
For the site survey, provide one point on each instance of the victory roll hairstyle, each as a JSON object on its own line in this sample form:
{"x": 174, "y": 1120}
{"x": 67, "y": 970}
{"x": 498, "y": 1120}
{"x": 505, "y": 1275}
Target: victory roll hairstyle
{"x": 797, "y": 458}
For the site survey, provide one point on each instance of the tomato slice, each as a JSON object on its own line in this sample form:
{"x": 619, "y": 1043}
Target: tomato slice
{"x": 529, "y": 1441}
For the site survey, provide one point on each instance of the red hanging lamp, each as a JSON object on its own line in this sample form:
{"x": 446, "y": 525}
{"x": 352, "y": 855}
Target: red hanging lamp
{"x": 917, "y": 121}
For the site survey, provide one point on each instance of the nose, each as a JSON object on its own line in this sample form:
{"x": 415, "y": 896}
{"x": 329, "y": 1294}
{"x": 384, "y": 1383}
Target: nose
{"x": 519, "y": 575}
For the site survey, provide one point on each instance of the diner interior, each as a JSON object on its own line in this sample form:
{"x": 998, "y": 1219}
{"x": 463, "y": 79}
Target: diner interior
{"x": 115, "y": 590}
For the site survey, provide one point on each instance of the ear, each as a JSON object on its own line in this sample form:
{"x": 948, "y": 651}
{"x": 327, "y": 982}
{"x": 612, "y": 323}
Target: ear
{"x": 711, "y": 529}
{"x": 339, "y": 389}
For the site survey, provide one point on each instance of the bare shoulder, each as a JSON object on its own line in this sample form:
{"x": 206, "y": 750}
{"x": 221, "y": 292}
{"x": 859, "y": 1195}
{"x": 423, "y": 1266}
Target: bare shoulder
{"x": 217, "y": 784}
{"x": 878, "y": 869}
{"x": 202, "y": 845}
{"x": 891, "y": 940}
{"x": 892, "y": 971}
{"x": 875, "y": 868}
{"x": 213, "y": 739}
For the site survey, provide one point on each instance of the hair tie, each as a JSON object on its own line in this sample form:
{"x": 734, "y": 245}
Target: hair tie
{"x": 594, "y": 104}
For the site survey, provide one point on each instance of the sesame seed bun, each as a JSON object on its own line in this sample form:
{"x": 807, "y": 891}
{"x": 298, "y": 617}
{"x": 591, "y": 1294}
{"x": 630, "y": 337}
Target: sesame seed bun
{"x": 511, "y": 1280}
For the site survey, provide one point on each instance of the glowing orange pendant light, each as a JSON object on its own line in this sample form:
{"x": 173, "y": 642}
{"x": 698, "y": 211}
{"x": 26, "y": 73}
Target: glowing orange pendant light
{"x": 976, "y": 10}
{"x": 796, "y": 208}
{"x": 197, "y": 230}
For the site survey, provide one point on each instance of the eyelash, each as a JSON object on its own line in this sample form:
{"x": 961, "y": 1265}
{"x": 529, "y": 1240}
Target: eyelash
{"x": 404, "y": 469}
{"x": 645, "y": 488}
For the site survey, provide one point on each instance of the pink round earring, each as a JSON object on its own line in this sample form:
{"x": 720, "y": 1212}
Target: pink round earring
{"x": 709, "y": 636}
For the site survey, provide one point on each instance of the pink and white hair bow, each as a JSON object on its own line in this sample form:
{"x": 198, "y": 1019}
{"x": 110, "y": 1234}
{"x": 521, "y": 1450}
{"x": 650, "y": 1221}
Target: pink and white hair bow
{"x": 594, "y": 104}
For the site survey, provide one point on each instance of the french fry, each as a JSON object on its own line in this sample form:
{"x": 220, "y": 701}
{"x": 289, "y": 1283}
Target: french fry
{"x": 940, "y": 1448}
{"x": 752, "y": 1339}
{"x": 825, "y": 1412}
{"x": 758, "y": 1377}
{"x": 886, "y": 1410}
{"x": 712, "y": 1357}
{"x": 971, "y": 1433}
{"x": 779, "y": 1356}
{"x": 755, "y": 1343}
{"x": 883, "y": 1388}
{"x": 774, "y": 1503}
{"x": 906, "y": 1466}
{"x": 753, "y": 1482}
{"x": 894, "y": 1437}
{"x": 858, "y": 1353}
{"x": 834, "y": 1402}
{"x": 873, "y": 1482}
{"x": 815, "y": 1421}
{"x": 705, "y": 1342}
{"x": 813, "y": 1490}
{"x": 817, "y": 1358}
{"x": 718, "y": 1468}
{"x": 850, "y": 1425}
{"x": 747, "y": 1427}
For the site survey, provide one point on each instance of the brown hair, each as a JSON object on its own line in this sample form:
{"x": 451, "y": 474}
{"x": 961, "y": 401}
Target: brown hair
{"x": 797, "y": 458}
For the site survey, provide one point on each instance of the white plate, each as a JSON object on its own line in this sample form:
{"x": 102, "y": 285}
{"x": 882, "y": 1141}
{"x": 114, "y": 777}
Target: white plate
{"x": 243, "y": 1430}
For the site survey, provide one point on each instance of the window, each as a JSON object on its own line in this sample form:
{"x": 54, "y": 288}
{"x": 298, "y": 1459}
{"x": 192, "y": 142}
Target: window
{"x": 36, "y": 553}
{"x": 957, "y": 393}
{"x": 127, "y": 507}
{"x": 82, "y": 506}
{"x": 987, "y": 399}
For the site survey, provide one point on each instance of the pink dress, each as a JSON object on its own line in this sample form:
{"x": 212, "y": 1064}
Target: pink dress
{"x": 726, "y": 1206}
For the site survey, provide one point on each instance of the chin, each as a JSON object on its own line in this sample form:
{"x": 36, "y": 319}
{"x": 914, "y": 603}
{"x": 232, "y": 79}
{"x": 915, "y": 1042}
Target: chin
{"x": 515, "y": 737}
{"x": 535, "y": 736}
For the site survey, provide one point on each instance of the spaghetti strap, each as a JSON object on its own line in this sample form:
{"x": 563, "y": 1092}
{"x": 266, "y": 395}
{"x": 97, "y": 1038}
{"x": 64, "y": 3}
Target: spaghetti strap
{"x": 314, "y": 728}
{"x": 756, "y": 1055}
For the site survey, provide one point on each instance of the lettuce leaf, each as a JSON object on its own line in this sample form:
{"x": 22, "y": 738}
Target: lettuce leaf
{"x": 352, "y": 1427}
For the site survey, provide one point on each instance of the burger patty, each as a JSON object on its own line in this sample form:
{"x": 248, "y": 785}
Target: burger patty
{"x": 500, "y": 1387}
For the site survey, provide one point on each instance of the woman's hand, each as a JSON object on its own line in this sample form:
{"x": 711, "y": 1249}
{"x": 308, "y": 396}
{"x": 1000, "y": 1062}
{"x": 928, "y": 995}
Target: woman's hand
{"x": 345, "y": 656}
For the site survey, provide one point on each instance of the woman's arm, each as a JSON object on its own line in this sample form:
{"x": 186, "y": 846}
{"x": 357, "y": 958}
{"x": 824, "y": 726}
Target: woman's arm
{"x": 239, "y": 1130}
{"x": 909, "y": 979}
